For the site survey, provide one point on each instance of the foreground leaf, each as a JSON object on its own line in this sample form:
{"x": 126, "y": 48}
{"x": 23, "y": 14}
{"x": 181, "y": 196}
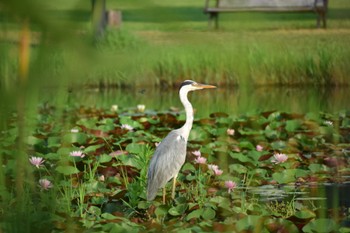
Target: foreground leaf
{"x": 67, "y": 170}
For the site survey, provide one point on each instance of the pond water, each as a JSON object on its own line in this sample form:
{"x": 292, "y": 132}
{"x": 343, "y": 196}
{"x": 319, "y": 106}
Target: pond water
{"x": 230, "y": 100}
{"x": 237, "y": 101}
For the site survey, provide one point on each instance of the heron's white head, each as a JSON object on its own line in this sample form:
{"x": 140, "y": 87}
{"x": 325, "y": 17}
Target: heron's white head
{"x": 189, "y": 85}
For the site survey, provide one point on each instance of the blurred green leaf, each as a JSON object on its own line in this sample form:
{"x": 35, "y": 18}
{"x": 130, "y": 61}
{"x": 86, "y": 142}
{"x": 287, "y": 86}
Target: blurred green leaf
{"x": 292, "y": 125}
{"x": 246, "y": 145}
{"x": 104, "y": 158}
{"x": 194, "y": 214}
{"x": 135, "y": 148}
{"x": 208, "y": 213}
{"x": 316, "y": 168}
{"x": 279, "y": 145}
{"x": 178, "y": 210}
{"x": 321, "y": 225}
{"x": 241, "y": 157}
{"x": 239, "y": 168}
{"x": 161, "y": 211}
{"x": 92, "y": 148}
{"x": 250, "y": 222}
{"x": 281, "y": 225}
{"x": 31, "y": 140}
{"x": 108, "y": 216}
{"x": 54, "y": 142}
{"x": 288, "y": 175}
{"x": 67, "y": 170}
{"x": 79, "y": 138}
{"x": 305, "y": 214}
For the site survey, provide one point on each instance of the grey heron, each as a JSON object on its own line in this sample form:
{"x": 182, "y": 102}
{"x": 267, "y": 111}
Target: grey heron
{"x": 170, "y": 154}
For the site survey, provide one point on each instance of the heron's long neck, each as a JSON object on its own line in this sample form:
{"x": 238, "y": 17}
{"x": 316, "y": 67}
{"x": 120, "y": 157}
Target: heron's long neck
{"x": 186, "y": 128}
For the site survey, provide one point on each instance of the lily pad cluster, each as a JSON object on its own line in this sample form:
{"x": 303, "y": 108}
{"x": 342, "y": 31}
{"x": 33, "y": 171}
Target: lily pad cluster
{"x": 268, "y": 171}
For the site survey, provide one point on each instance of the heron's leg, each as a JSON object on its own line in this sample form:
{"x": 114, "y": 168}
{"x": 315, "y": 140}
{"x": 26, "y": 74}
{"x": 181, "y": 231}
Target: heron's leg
{"x": 164, "y": 191}
{"x": 174, "y": 184}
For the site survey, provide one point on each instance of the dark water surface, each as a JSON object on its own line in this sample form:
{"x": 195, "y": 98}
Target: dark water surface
{"x": 230, "y": 100}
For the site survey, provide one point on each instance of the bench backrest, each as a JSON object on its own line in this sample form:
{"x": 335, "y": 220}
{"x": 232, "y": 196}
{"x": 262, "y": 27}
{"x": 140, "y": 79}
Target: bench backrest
{"x": 270, "y": 3}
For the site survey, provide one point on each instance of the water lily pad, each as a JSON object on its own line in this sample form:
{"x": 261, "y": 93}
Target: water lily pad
{"x": 279, "y": 145}
{"x": 134, "y": 148}
{"x": 251, "y": 222}
{"x": 292, "y": 125}
{"x": 321, "y": 225}
{"x": 281, "y": 225}
{"x": 208, "y": 213}
{"x": 53, "y": 142}
{"x": 241, "y": 157}
{"x": 79, "y": 138}
{"x": 67, "y": 170}
{"x": 239, "y": 168}
{"x": 178, "y": 210}
{"x": 315, "y": 168}
{"x": 246, "y": 145}
{"x": 108, "y": 216}
{"x": 305, "y": 214}
{"x": 31, "y": 140}
{"x": 161, "y": 211}
{"x": 194, "y": 214}
{"x": 104, "y": 158}
{"x": 288, "y": 175}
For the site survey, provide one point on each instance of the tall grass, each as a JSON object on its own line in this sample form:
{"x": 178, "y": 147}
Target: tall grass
{"x": 131, "y": 61}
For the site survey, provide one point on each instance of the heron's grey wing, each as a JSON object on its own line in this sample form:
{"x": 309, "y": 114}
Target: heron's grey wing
{"x": 166, "y": 162}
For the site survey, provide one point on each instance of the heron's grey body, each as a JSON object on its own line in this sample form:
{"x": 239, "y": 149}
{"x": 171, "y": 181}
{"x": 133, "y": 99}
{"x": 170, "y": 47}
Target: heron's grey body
{"x": 170, "y": 154}
{"x": 166, "y": 162}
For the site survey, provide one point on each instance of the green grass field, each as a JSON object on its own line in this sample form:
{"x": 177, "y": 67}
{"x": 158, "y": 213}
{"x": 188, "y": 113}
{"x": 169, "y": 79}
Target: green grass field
{"x": 170, "y": 42}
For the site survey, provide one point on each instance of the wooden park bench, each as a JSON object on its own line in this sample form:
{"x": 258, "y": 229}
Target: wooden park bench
{"x": 213, "y": 8}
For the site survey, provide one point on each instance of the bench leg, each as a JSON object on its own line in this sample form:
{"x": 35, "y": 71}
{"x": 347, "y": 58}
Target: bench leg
{"x": 213, "y": 16}
{"x": 321, "y": 16}
{"x": 324, "y": 20}
{"x": 318, "y": 20}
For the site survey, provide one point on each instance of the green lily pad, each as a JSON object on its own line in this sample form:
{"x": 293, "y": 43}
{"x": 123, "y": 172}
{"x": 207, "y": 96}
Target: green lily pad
{"x": 194, "y": 214}
{"x": 292, "y": 125}
{"x": 208, "y": 213}
{"x": 322, "y": 225}
{"x": 67, "y": 170}
{"x": 250, "y": 222}
{"x": 178, "y": 210}
{"x": 305, "y": 214}
{"x": 79, "y": 138}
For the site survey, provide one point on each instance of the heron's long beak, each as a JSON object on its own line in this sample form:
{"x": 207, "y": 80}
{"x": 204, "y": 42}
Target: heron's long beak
{"x": 202, "y": 86}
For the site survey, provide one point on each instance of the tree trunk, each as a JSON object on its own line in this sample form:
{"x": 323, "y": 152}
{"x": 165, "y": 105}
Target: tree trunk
{"x": 99, "y": 19}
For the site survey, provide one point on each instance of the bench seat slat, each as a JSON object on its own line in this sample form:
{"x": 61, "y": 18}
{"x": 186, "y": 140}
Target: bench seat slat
{"x": 262, "y": 9}
{"x": 319, "y": 7}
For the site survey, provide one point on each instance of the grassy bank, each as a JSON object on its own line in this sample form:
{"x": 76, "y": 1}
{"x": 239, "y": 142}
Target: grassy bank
{"x": 166, "y": 42}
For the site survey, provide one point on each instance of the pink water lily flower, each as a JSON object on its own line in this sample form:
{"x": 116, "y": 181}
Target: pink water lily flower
{"x": 230, "y": 132}
{"x": 141, "y": 107}
{"x": 36, "y": 161}
{"x": 230, "y": 185}
{"x": 218, "y": 172}
{"x": 45, "y": 184}
{"x": 215, "y": 169}
{"x": 196, "y": 153}
{"x": 127, "y": 127}
{"x": 77, "y": 153}
{"x": 259, "y": 148}
{"x": 279, "y": 158}
{"x": 200, "y": 160}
